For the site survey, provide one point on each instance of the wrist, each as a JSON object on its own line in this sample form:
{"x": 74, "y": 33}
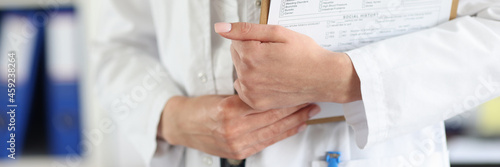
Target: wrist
{"x": 343, "y": 84}
{"x": 167, "y": 128}
{"x": 353, "y": 84}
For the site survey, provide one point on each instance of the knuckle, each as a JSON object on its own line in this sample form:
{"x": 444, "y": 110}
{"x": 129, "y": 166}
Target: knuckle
{"x": 275, "y": 115}
{"x": 245, "y": 28}
{"x": 224, "y": 131}
{"x": 275, "y": 130}
{"x": 270, "y": 133}
{"x": 233, "y": 147}
{"x": 224, "y": 109}
{"x": 224, "y": 104}
{"x": 304, "y": 113}
{"x": 222, "y": 115}
{"x": 229, "y": 133}
{"x": 275, "y": 29}
{"x": 226, "y": 137}
{"x": 264, "y": 136}
{"x": 219, "y": 132}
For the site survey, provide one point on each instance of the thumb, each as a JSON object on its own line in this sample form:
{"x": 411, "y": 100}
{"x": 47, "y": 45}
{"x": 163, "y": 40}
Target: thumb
{"x": 251, "y": 32}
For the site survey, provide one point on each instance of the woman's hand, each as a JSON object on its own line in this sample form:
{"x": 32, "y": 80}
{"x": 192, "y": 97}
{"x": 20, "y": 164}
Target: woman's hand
{"x": 278, "y": 67}
{"x": 227, "y": 127}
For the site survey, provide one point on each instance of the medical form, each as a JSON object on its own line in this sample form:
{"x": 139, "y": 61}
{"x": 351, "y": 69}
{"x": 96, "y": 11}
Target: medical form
{"x": 341, "y": 25}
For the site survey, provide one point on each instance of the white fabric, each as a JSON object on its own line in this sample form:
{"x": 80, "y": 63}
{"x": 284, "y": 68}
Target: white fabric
{"x": 149, "y": 51}
{"x": 419, "y": 79}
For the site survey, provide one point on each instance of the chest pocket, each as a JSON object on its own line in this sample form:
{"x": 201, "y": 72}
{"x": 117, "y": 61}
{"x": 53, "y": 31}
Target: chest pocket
{"x": 437, "y": 159}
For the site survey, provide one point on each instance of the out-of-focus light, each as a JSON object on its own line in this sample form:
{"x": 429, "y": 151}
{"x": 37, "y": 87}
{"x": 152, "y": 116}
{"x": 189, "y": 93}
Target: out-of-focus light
{"x": 489, "y": 118}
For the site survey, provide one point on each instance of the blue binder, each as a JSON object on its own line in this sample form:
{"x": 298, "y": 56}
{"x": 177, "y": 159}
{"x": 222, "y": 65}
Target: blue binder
{"x": 27, "y": 47}
{"x": 64, "y": 124}
{"x": 62, "y": 92}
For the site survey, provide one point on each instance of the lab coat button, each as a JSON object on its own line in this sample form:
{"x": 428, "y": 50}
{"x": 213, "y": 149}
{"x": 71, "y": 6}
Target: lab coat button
{"x": 208, "y": 161}
{"x": 203, "y": 77}
{"x": 258, "y": 3}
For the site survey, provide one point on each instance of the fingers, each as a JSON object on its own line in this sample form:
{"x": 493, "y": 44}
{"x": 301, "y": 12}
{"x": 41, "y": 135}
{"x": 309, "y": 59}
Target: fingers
{"x": 297, "y": 118}
{"x": 255, "y": 135}
{"x": 288, "y": 133}
{"x": 249, "y": 31}
{"x": 272, "y": 116}
{"x": 265, "y": 118}
{"x": 279, "y": 130}
{"x": 259, "y": 129}
{"x": 255, "y": 148}
{"x": 255, "y": 120}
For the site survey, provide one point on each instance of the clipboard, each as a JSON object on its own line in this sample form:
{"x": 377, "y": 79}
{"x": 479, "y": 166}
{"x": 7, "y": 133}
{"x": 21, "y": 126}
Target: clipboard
{"x": 264, "y": 10}
{"x": 264, "y": 14}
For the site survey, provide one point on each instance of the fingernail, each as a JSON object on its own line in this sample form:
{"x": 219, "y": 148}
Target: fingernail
{"x": 302, "y": 128}
{"x": 314, "y": 111}
{"x": 222, "y": 27}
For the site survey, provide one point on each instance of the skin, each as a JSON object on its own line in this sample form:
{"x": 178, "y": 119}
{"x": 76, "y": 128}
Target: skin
{"x": 280, "y": 73}
{"x": 278, "y": 67}
{"x": 227, "y": 127}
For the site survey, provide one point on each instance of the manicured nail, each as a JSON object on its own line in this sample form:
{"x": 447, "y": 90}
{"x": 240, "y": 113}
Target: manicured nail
{"x": 314, "y": 111}
{"x": 222, "y": 27}
{"x": 302, "y": 128}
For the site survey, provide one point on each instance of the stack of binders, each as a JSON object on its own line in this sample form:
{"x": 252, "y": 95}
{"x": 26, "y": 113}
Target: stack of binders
{"x": 53, "y": 41}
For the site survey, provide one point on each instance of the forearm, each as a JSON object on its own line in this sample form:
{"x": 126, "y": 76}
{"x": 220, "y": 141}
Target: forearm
{"x": 173, "y": 106}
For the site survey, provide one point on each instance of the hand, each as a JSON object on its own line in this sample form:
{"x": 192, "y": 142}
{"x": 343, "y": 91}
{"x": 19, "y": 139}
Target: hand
{"x": 278, "y": 67}
{"x": 227, "y": 127}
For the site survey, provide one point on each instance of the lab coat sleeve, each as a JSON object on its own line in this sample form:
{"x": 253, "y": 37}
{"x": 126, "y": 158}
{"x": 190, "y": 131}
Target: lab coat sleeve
{"x": 132, "y": 85}
{"x": 420, "y": 79}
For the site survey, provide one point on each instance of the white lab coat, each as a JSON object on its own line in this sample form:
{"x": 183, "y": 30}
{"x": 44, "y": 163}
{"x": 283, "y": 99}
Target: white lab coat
{"x": 149, "y": 51}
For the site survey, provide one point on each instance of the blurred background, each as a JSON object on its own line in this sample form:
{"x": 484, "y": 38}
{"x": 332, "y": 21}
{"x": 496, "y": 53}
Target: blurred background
{"x": 58, "y": 122}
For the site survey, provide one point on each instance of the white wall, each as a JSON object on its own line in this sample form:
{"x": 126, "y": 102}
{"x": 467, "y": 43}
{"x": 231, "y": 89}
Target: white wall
{"x": 89, "y": 14}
